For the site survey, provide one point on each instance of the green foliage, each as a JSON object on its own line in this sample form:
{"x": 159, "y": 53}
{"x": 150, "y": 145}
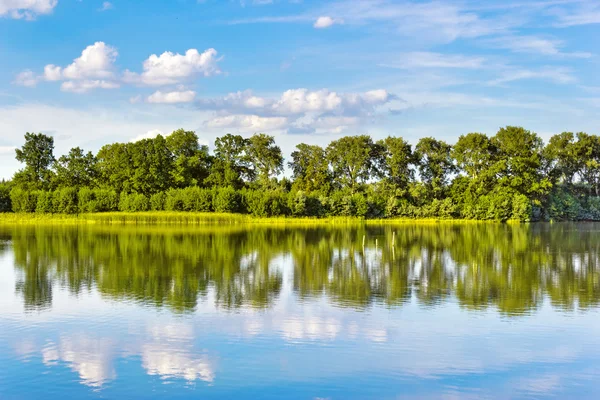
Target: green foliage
{"x": 227, "y": 200}
{"x": 38, "y": 155}
{"x": 23, "y": 200}
{"x": 5, "y": 201}
{"x": 510, "y": 176}
{"x": 133, "y": 202}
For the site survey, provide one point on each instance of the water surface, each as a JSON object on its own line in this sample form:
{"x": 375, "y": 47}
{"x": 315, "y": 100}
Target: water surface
{"x": 421, "y": 311}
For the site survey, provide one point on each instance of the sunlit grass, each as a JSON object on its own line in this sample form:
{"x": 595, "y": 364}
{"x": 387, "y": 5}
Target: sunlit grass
{"x": 193, "y": 218}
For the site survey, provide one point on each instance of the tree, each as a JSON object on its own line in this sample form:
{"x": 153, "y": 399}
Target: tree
{"x": 231, "y": 164}
{"x": 475, "y": 154}
{"x": 77, "y": 169}
{"x": 435, "y": 164}
{"x": 519, "y": 160}
{"x": 152, "y": 166}
{"x": 265, "y": 157}
{"x": 115, "y": 167}
{"x": 587, "y": 152}
{"x": 38, "y": 155}
{"x": 561, "y": 158}
{"x": 191, "y": 162}
{"x": 395, "y": 159}
{"x": 352, "y": 160}
{"x": 310, "y": 169}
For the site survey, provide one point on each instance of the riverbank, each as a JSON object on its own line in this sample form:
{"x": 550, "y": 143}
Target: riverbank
{"x": 192, "y": 218}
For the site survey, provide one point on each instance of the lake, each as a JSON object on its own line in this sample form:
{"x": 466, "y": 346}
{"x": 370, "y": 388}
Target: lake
{"x": 419, "y": 311}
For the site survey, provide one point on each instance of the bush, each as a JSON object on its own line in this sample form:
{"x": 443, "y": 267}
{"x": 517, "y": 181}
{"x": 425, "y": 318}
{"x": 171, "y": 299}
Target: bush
{"x": 65, "y": 201}
{"x": 521, "y": 208}
{"x": 133, "y": 202}
{"x": 157, "y": 201}
{"x": 197, "y": 199}
{"x": 265, "y": 203}
{"x": 5, "y": 202}
{"x": 97, "y": 200}
{"x": 174, "y": 200}
{"x": 23, "y": 201}
{"x": 44, "y": 203}
{"x": 226, "y": 200}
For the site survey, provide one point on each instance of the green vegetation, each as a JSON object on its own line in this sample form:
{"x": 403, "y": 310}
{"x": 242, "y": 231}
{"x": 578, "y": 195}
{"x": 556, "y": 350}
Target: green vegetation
{"x": 512, "y": 268}
{"x": 510, "y": 176}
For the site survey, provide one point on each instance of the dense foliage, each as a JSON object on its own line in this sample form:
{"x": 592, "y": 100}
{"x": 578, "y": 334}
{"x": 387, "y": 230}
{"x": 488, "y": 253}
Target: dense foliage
{"x": 510, "y": 176}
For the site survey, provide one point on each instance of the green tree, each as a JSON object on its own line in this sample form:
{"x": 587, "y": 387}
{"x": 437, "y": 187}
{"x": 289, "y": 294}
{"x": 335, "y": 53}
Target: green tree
{"x": 191, "y": 161}
{"x": 38, "y": 155}
{"x": 587, "y": 151}
{"x": 152, "y": 166}
{"x": 115, "y": 167}
{"x": 310, "y": 169}
{"x": 265, "y": 157}
{"x": 561, "y": 158}
{"x": 76, "y": 169}
{"x": 396, "y": 159}
{"x": 520, "y": 160}
{"x": 475, "y": 154}
{"x": 231, "y": 164}
{"x": 435, "y": 165}
{"x": 352, "y": 160}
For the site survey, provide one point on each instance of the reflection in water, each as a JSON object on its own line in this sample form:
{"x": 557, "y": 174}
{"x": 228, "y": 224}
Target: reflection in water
{"x": 468, "y": 311}
{"x": 510, "y": 267}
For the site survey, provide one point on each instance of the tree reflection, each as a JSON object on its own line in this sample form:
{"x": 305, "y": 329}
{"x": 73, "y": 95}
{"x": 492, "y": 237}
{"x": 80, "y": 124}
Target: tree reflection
{"x": 511, "y": 268}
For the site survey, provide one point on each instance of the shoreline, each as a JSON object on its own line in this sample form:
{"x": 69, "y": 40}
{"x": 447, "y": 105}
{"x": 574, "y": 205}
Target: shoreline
{"x": 209, "y": 218}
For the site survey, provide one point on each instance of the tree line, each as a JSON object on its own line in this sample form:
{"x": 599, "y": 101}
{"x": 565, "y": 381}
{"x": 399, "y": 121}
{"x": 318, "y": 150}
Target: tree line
{"x": 512, "y": 175}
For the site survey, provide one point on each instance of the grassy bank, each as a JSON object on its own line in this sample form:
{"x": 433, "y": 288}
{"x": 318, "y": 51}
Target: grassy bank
{"x": 190, "y": 218}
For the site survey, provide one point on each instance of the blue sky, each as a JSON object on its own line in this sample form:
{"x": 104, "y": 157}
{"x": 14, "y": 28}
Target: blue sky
{"x": 95, "y": 72}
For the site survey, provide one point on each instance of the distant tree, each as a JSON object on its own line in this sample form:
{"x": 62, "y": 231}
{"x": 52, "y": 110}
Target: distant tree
{"x": 352, "y": 160}
{"x": 231, "y": 164}
{"x": 115, "y": 166}
{"x": 76, "y": 169}
{"x": 310, "y": 168}
{"x": 265, "y": 157}
{"x": 191, "y": 161}
{"x": 520, "y": 160}
{"x": 474, "y": 154}
{"x": 395, "y": 160}
{"x": 152, "y": 166}
{"x": 587, "y": 152}
{"x": 38, "y": 155}
{"x": 435, "y": 164}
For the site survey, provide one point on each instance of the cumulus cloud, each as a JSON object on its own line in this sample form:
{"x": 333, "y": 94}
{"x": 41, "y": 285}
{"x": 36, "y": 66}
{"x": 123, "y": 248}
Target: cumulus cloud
{"x": 172, "y": 68}
{"x": 325, "y": 22}
{"x": 95, "y": 69}
{"x": 297, "y": 110}
{"x": 186, "y": 96}
{"x": 26, "y": 9}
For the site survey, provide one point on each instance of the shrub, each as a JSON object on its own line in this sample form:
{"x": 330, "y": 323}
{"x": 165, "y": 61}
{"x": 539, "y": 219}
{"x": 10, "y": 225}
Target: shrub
{"x": 174, "y": 200}
{"x": 197, "y": 199}
{"x": 521, "y": 208}
{"x": 5, "y": 202}
{"x": 133, "y": 202}
{"x": 44, "y": 203}
{"x": 227, "y": 200}
{"x": 157, "y": 201}
{"x": 65, "y": 201}
{"x": 23, "y": 200}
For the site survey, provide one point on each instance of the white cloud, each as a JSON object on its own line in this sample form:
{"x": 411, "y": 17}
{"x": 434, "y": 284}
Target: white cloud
{"x": 52, "y": 72}
{"x": 587, "y": 13}
{"x": 249, "y": 123}
{"x": 26, "y": 78}
{"x": 295, "y": 101}
{"x": 96, "y": 61}
{"x": 86, "y": 85}
{"x": 325, "y": 22}
{"x": 535, "y": 45}
{"x": 435, "y": 60}
{"x": 26, "y": 9}
{"x": 159, "y": 359}
{"x": 172, "y": 97}
{"x": 557, "y": 75}
{"x": 107, "y": 5}
{"x": 171, "y": 68}
{"x": 148, "y": 135}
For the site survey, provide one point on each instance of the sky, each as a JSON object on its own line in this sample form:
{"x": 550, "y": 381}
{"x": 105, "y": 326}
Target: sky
{"x": 94, "y": 72}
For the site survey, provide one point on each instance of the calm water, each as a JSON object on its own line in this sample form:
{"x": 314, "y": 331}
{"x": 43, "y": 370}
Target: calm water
{"x": 471, "y": 311}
